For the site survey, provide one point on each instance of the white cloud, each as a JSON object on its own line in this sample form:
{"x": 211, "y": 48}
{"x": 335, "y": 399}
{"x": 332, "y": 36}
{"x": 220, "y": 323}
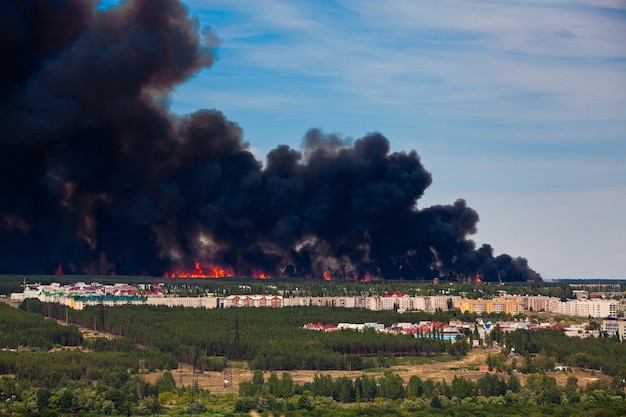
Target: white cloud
{"x": 410, "y": 52}
{"x": 518, "y": 106}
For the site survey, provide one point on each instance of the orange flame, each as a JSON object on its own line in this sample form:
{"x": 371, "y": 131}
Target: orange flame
{"x": 212, "y": 272}
{"x": 331, "y": 276}
{"x": 260, "y": 275}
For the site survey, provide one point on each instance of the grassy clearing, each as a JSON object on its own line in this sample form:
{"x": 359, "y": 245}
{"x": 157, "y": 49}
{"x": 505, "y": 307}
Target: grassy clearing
{"x": 422, "y": 360}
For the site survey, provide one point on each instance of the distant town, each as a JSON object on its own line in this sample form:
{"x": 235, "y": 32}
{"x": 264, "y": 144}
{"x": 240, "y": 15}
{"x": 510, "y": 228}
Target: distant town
{"x": 80, "y": 295}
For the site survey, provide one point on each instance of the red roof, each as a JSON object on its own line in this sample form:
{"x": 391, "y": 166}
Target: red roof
{"x": 395, "y": 294}
{"x": 320, "y": 326}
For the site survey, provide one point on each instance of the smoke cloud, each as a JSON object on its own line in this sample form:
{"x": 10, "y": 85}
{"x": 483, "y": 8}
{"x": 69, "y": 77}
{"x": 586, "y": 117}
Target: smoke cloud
{"x": 98, "y": 177}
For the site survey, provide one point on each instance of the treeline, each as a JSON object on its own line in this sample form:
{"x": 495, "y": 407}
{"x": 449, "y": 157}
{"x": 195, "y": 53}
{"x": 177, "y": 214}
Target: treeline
{"x": 541, "y": 350}
{"x": 26, "y": 339}
{"x": 348, "y": 350}
{"x": 280, "y": 394}
{"x": 19, "y": 328}
{"x": 260, "y": 335}
{"x": 53, "y": 370}
{"x": 116, "y": 393}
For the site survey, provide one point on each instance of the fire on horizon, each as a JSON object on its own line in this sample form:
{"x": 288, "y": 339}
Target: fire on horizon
{"x": 104, "y": 179}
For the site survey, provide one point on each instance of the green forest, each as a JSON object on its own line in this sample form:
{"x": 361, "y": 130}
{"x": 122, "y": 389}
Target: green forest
{"x": 259, "y": 335}
{"x": 48, "y": 368}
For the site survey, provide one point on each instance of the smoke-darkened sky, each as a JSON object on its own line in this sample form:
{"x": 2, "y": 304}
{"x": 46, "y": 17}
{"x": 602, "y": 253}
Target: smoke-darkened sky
{"x": 105, "y": 171}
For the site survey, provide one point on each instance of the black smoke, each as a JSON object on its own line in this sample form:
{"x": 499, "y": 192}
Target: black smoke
{"x": 97, "y": 176}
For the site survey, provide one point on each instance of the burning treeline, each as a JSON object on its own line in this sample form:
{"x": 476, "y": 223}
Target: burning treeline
{"x": 99, "y": 177}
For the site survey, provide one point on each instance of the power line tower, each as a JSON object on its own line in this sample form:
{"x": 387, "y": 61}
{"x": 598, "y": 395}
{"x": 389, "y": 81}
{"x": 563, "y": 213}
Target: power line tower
{"x": 237, "y": 354}
{"x": 228, "y": 377}
{"x": 101, "y": 315}
{"x": 194, "y": 409}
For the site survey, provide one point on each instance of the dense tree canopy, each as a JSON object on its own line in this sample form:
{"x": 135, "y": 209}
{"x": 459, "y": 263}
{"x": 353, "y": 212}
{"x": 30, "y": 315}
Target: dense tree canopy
{"x": 106, "y": 377}
{"x": 542, "y": 349}
{"x": 259, "y": 335}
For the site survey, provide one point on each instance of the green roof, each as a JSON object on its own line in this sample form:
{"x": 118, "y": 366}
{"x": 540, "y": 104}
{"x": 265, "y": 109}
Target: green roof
{"x": 103, "y": 298}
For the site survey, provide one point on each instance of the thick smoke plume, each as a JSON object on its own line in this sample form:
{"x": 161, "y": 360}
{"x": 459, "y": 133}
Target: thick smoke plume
{"x": 98, "y": 177}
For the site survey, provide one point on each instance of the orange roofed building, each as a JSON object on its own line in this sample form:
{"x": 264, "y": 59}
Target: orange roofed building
{"x": 274, "y": 301}
{"x": 496, "y": 305}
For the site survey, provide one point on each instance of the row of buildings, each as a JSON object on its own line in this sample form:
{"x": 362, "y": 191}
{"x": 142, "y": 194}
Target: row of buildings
{"x": 514, "y": 304}
{"x": 478, "y": 329}
{"x": 446, "y": 331}
{"x": 81, "y": 295}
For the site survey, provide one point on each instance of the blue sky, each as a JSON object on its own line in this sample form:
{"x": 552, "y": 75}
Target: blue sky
{"x": 519, "y": 107}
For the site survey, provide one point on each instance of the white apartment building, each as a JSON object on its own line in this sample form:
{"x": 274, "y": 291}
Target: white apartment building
{"x": 615, "y": 327}
{"x": 540, "y": 303}
{"x": 192, "y": 302}
{"x": 595, "y": 308}
{"x": 274, "y": 301}
{"x": 440, "y": 302}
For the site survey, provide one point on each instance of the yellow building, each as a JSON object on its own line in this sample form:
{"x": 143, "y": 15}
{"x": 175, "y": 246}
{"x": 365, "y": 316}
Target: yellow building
{"x": 496, "y": 305}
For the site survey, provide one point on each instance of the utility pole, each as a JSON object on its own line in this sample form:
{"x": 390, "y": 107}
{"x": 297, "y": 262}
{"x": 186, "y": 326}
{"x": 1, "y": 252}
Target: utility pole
{"x": 194, "y": 409}
{"x": 101, "y": 315}
{"x": 237, "y": 344}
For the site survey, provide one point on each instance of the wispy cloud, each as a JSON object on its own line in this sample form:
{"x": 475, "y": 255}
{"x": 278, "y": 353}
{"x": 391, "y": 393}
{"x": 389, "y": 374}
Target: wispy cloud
{"x": 519, "y": 106}
{"x": 420, "y": 54}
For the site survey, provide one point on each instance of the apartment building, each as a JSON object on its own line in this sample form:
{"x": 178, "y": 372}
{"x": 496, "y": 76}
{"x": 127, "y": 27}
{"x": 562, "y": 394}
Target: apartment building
{"x": 540, "y": 303}
{"x": 510, "y": 306}
{"x": 595, "y": 308}
{"x": 615, "y": 327}
{"x": 273, "y": 301}
{"x": 191, "y": 302}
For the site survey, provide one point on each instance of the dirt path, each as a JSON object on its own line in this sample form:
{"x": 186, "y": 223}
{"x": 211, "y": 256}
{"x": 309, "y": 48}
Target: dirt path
{"x": 437, "y": 371}
{"x": 228, "y": 382}
{"x": 214, "y": 381}
{"x": 466, "y": 367}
